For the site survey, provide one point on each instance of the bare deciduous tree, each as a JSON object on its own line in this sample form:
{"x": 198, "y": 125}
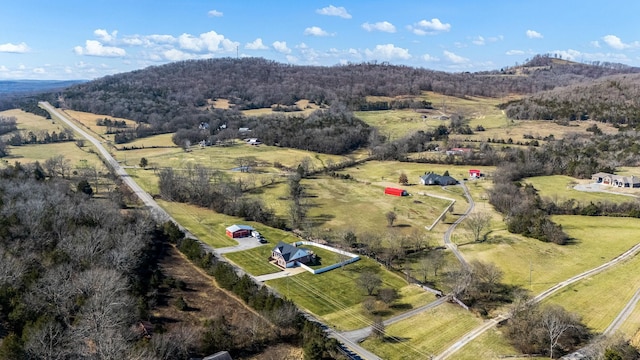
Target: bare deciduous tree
{"x": 477, "y": 223}
{"x": 369, "y": 281}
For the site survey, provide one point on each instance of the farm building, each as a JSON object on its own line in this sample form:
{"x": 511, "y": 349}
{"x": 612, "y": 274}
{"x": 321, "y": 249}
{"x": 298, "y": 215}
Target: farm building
{"x": 475, "y": 174}
{"x": 459, "y": 151}
{"x": 430, "y": 178}
{"x": 395, "y": 191}
{"x": 239, "y": 231}
{"x": 286, "y": 255}
{"x": 616, "y": 180}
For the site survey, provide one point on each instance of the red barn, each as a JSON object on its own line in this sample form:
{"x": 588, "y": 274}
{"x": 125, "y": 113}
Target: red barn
{"x": 473, "y": 173}
{"x": 395, "y": 191}
{"x": 239, "y": 231}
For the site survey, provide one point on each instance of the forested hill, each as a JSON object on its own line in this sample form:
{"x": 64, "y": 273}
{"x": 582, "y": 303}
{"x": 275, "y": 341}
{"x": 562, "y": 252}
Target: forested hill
{"x": 184, "y": 87}
{"x": 613, "y": 99}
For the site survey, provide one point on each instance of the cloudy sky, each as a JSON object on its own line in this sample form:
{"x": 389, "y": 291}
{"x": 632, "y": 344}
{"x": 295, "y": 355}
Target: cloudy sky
{"x": 86, "y": 39}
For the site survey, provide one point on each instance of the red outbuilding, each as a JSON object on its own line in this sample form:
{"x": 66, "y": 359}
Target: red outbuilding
{"x": 395, "y": 191}
{"x": 239, "y": 231}
{"x": 474, "y": 174}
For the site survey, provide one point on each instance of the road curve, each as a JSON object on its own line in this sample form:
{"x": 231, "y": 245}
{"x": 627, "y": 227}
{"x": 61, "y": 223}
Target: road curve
{"x": 447, "y": 235}
{"x": 545, "y": 294}
{"x": 360, "y": 334}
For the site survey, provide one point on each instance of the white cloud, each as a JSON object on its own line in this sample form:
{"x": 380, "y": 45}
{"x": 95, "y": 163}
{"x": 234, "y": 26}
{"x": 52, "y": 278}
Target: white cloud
{"x": 3, "y": 68}
{"x": 256, "y": 45}
{"x": 435, "y": 24}
{"x": 281, "y": 47}
{"x": 292, "y": 59}
{"x": 176, "y": 55}
{"x": 210, "y": 41}
{"x": 334, "y": 11}
{"x": 576, "y": 55}
{"x": 39, "y": 70}
{"x": 515, "y": 52}
{"x": 387, "y": 52}
{"x": 95, "y": 48}
{"x": 429, "y": 58}
{"x": 429, "y": 27}
{"x": 532, "y": 34}
{"x": 456, "y": 59}
{"x": 315, "y": 31}
{"x": 383, "y": 26}
{"x": 104, "y": 36}
{"x": 616, "y": 43}
{"x": 14, "y": 48}
{"x": 215, "y": 13}
{"x": 478, "y": 41}
{"x": 595, "y": 44}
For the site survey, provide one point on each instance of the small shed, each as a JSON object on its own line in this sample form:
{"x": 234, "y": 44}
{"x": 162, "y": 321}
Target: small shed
{"x": 395, "y": 191}
{"x": 239, "y": 231}
{"x": 475, "y": 173}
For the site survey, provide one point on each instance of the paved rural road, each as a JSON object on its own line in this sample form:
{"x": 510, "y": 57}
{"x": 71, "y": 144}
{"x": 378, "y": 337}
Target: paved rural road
{"x": 623, "y": 315}
{"x": 162, "y": 215}
{"x": 360, "y": 334}
{"x": 447, "y": 235}
{"x": 489, "y": 324}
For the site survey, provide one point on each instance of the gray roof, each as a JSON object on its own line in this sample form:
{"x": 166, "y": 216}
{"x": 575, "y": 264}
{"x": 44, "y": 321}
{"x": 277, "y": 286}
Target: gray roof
{"x": 435, "y": 179}
{"x": 290, "y": 252}
{"x": 234, "y": 228}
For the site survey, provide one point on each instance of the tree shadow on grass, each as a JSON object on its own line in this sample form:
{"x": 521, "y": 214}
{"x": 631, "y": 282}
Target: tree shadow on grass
{"x": 401, "y": 306}
{"x": 395, "y": 339}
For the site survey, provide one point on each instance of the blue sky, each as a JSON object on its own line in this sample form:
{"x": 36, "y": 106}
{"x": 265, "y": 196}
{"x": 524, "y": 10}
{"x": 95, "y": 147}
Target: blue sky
{"x": 87, "y": 39}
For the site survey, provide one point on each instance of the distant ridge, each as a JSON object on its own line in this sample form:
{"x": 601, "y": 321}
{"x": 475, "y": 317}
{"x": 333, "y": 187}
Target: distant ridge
{"x": 27, "y": 86}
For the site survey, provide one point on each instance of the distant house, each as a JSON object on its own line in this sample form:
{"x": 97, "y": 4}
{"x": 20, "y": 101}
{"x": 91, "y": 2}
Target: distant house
{"x": 395, "y": 191}
{"x": 459, "y": 151}
{"x": 253, "y": 141}
{"x": 287, "y": 255}
{"x": 243, "y": 130}
{"x": 203, "y": 126}
{"x": 616, "y": 180}
{"x": 475, "y": 174}
{"x": 430, "y": 178}
{"x": 239, "y": 231}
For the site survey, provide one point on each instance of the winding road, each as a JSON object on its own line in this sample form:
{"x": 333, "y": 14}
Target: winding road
{"x": 447, "y": 235}
{"x": 545, "y": 294}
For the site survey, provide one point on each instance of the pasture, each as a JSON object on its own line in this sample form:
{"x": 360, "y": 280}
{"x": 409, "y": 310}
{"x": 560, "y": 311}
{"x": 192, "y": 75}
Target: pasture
{"x": 491, "y": 345}
{"x": 89, "y": 122}
{"x": 334, "y": 296}
{"x": 30, "y": 122}
{"x": 595, "y": 240}
{"x": 613, "y": 287}
{"x": 424, "y": 335}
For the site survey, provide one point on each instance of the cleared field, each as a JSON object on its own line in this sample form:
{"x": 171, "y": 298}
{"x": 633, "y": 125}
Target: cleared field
{"x": 335, "y": 298}
{"x": 630, "y": 327}
{"x": 31, "y": 122}
{"x": 490, "y": 345}
{"x": 559, "y": 188}
{"x": 614, "y": 287}
{"x": 78, "y": 157}
{"x": 424, "y": 335}
{"x": 398, "y": 123}
{"x": 89, "y": 122}
{"x": 596, "y": 240}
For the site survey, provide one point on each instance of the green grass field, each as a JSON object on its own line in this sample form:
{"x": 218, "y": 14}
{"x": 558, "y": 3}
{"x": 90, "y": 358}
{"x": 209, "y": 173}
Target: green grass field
{"x": 596, "y": 240}
{"x": 424, "y": 335}
{"x": 614, "y": 287}
{"x": 490, "y": 345}
{"x": 334, "y": 296}
{"x": 254, "y": 261}
{"x": 559, "y": 188}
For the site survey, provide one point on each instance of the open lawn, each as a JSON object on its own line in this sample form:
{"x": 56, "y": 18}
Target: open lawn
{"x": 424, "y": 335}
{"x": 559, "y": 188}
{"x": 89, "y": 122}
{"x": 78, "y": 157}
{"x": 490, "y": 345}
{"x": 631, "y": 326}
{"x": 335, "y": 297}
{"x": 254, "y": 261}
{"x": 595, "y": 240}
{"x": 31, "y": 122}
{"x": 614, "y": 287}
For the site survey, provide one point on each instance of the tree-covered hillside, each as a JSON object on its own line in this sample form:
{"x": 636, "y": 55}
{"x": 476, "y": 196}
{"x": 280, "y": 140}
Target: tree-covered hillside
{"x": 614, "y": 99}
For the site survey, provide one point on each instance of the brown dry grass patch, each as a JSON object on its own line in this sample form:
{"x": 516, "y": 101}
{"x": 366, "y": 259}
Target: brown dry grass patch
{"x": 207, "y": 301}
